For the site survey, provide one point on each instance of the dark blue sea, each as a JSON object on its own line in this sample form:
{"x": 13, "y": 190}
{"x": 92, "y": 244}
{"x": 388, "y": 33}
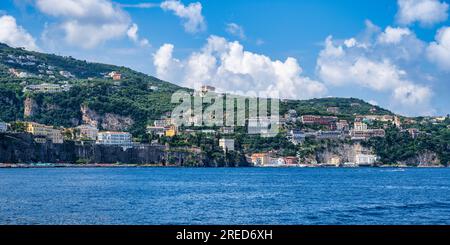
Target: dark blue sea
{"x": 224, "y": 196}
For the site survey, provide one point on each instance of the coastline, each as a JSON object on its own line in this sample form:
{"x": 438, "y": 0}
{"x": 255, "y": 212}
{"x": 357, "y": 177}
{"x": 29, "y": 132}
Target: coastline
{"x": 113, "y": 165}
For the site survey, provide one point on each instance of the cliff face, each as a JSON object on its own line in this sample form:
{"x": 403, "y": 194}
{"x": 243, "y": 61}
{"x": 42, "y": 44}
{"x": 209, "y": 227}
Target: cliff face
{"x": 30, "y": 107}
{"x": 21, "y": 148}
{"x": 342, "y": 152}
{"x": 108, "y": 121}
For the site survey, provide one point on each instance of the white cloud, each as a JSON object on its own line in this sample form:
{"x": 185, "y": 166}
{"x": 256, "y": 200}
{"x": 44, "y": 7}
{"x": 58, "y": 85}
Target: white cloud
{"x": 227, "y": 66}
{"x": 235, "y": 30}
{"x": 426, "y": 12}
{"x": 15, "y": 35}
{"x": 132, "y": 33}
{"x": 192, "y": 14}
{"x": 86, "y": 23}
{"x": 139, "y": 5}
{"x": 373, "y": 63}
{"x": 393, "y": 35}
{"x": 438, "y": 52}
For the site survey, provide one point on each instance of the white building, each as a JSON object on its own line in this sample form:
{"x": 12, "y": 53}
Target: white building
{"x": 3, "y": 127}
{"x": 360, "y": 126}
{"x": 87, "y": 132}
{"x": 158, "y": 131}
{"x": 227, "y": 144}
{"x": 365, "y": 159}
{"x": 114, "y": 138}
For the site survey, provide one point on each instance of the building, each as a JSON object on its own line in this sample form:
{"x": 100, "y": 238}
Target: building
{"x": 335, "y": 161}
{"x": 87, "y": 132}
{"x": 114, "y": 138}
{"x": 227, "y": 130}
{"x": 329, "y": 135}
{"x": 366, "y": 134}
{"x": 318, "y": 120}
{"x": 36, "y": 129}
{"x": 3, "y": 127}
{"x": 227, "y": 144}
{"x": 115, "y": 75}
{"x": 365, "y": 159}
{"x": 291, "y": 160}
{"x": 206, "y": 88}
{"x": 158, "y": 131}
{"x": 170, "y": 131}
{"x": 359, "y": 126}
{"x": 334, "y": 110}
{"x": 260, "y": 159}
{"x": 167, "y": 122}
{"x": 47, "y": 88}
{"x": 296, "y": 136}
{"x": 414, "y": 132}
{"x": 342, "y": 125}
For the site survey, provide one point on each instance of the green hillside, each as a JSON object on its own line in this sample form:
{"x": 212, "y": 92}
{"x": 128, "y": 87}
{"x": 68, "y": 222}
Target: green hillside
{"x": 137, "y": 95}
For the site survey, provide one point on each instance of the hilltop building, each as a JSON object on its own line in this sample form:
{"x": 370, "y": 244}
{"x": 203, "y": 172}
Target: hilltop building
{"x": 334, "y": 110}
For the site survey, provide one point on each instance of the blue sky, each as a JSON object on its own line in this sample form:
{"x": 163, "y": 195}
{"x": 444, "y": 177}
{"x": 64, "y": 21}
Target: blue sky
{"x": 392, "y": 53}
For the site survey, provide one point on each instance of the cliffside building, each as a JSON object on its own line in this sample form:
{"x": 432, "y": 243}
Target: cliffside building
{"x": 48, "y": 132}
{"x": 227, "y": 144}
{"x": 114, "y": 138}
{"x": 87, "y": 132}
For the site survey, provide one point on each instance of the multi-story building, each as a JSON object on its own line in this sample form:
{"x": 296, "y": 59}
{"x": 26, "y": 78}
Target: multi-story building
{"x": 170, "y": 131}
{"x": 114, "y": 138}
{"x": 260, "y": 159}
{"x": 227, "y": 144}
{"x": 334, "y": 110}
{"x": 329, "y": 135}
{"x": 49, "y": 132}
{"x": 227, "y": 130}
{"x": 47, "y": 88}
{"x": 158, "y": 131}
{"x": 342, "y": 125}
{"x": 167, "y": 122}
{"x": 87, "y": 132}
{"x": 3, "y": 127}
{"x": 318, "y": 120}
{"x": 296, "y": 136}
{"x": 359, "y": 126}
{"x": 366, "y": 134}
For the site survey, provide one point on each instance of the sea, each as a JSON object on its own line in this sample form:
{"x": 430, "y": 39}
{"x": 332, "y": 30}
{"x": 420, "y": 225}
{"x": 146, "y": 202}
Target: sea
{"x": 214, "y": 196}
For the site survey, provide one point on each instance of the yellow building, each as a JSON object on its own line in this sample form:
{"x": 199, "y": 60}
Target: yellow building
{"x": 170, "y": 132}
{"x": 37, "y": 129}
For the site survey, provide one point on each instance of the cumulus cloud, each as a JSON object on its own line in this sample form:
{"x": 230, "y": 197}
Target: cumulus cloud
{"x": 425, "y": 12}
{"x": 374, "y": 63}
{"x": 438, "y": 51}
{"x": 15, "y": 35}
{"x": 87, "y": 23}
{"x": 393, "y": 35}
{"x": 235, "y": 30}
{"x": 132, "y": 33}
{"x": 192, "y": 14}
{"x": 227, "y": 66}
